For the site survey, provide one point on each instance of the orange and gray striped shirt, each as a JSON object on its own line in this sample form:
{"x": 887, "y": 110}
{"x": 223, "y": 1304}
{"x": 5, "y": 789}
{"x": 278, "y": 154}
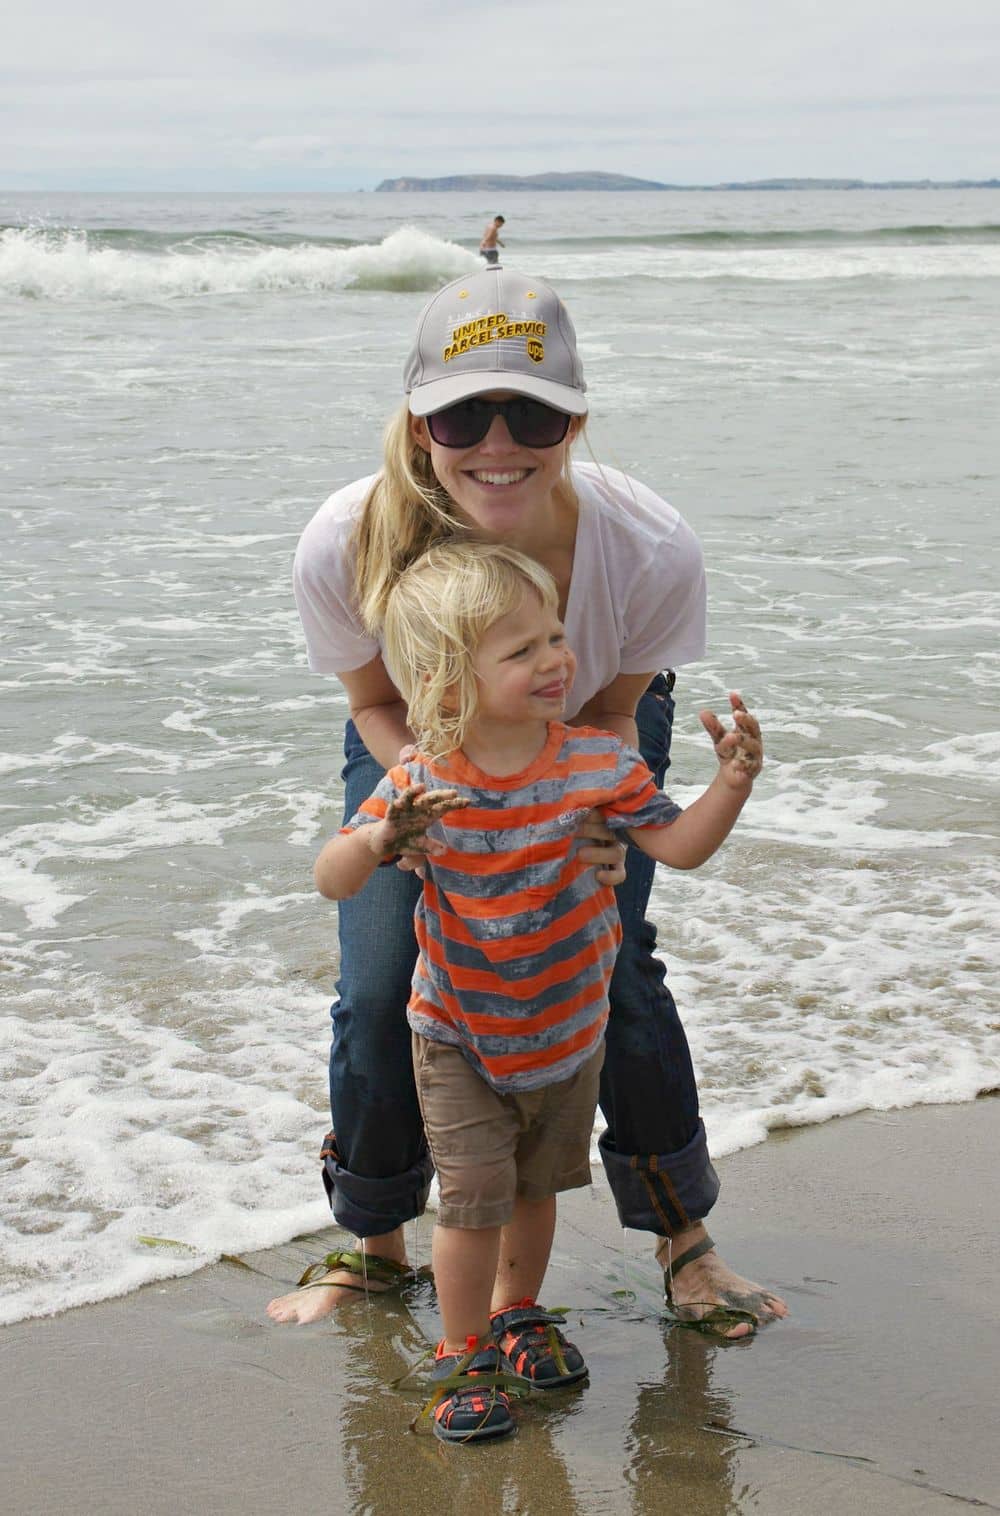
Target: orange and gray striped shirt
{"x": 517, "y": 937}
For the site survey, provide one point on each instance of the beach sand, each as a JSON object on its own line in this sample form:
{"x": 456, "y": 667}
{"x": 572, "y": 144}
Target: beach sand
{"x": 877, "y": 1395}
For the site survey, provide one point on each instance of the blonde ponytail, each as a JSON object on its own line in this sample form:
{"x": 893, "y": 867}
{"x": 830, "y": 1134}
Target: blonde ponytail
{"x": 407, "y": 510}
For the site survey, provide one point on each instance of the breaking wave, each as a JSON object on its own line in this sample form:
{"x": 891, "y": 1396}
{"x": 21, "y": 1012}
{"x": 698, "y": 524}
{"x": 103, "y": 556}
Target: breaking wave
{"x": 68, "y": 264}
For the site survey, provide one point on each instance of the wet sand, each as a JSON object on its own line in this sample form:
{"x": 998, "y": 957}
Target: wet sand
{"x": 877, "y": 1395}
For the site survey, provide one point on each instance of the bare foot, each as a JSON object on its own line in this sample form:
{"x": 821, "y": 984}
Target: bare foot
{"x": 322, "y": 1295}
{"x": 707, "y": 1282}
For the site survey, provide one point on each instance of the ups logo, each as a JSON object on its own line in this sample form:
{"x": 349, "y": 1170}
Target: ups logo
{"x": 535, "y": 349}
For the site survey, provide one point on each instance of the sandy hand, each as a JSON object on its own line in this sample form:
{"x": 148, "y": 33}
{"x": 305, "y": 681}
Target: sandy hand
{"x": 740, "y": 750}
{"x": 403, "y": 829}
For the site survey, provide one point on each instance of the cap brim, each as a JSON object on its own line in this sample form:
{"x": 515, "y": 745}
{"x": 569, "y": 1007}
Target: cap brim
{"x": 426, "y": 399}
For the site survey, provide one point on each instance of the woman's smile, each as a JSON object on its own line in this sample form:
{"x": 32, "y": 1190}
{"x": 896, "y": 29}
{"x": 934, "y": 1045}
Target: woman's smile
{"x": 498, "y": 474}
{"x": 499, "y": 479}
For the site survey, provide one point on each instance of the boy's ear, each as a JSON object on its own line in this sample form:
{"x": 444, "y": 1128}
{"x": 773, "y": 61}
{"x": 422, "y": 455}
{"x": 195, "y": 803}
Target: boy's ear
{"x": 449, "y": 697}
{"x": 418, "y": 431}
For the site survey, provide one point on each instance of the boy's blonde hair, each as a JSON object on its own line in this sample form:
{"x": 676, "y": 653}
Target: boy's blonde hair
{"x": 407, "y": 510}
{"x": 436, "y": 616}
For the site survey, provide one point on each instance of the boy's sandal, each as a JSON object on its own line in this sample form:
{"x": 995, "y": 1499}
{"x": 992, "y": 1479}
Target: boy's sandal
{"x": 469, "y": 1403}
{"x": 718, "y": 1320}
{"x": 530, "y": 1338}
{"x": 367, "y": 1267}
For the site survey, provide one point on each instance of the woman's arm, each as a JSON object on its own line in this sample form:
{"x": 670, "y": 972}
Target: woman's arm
{"x": 613, "y": 708}
{"x": 378, "y": 711}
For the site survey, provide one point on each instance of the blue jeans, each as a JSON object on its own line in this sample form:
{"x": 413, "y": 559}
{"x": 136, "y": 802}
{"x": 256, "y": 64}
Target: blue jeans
{"x": 376, "y": 1166}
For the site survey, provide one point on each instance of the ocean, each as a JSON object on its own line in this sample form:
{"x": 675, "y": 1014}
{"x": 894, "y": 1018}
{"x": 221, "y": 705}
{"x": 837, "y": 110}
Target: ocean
{"x": 811, "y": 378}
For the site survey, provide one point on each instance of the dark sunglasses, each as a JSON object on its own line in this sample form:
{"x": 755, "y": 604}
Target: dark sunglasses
{"x": 530, "y": 422}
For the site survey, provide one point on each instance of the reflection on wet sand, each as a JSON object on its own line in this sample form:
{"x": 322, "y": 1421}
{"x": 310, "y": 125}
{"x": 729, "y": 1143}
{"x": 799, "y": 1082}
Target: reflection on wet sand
{"x": 644, "y": 1434}
{"x": 877, "y": 1394}
{"x": 676, "y": 1451}
{"x": 390, "y": 1343}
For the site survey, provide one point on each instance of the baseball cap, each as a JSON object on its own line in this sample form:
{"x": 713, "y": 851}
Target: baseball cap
{"x": 495, "y": 330}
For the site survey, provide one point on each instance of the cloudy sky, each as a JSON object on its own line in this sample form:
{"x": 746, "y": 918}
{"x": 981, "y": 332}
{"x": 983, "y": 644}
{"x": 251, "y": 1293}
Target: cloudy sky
{"x": 321, "y": 94}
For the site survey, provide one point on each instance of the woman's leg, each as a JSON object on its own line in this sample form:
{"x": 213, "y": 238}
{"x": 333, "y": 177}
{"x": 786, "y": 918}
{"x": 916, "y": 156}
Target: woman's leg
{"x": 655, "y": 1150}
{"x": 376, "y": 1165}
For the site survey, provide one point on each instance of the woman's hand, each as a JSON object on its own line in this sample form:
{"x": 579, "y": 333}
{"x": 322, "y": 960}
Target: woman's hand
{"x": 602, "y": 849}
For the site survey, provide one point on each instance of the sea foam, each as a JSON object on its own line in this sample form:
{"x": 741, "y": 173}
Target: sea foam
{"x": 68, "y": 264}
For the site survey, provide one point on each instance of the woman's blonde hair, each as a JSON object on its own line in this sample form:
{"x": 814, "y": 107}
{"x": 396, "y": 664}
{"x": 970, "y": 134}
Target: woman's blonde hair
{"x": 435, "y": 618}
{"x": 407, "y": 510}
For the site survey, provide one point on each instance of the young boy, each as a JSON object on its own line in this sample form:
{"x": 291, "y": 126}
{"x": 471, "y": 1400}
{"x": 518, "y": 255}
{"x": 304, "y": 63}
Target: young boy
{"x": 517, "y": 938}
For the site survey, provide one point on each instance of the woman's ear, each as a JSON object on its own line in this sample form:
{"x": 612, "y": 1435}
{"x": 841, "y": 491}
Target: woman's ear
{"x": 575, "y": 428}
{"x": 419, "y": 433}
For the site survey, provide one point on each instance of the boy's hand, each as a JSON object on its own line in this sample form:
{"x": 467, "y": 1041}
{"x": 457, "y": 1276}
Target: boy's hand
{"x": 740, "y": 751}
{"x": 403, "y": 828}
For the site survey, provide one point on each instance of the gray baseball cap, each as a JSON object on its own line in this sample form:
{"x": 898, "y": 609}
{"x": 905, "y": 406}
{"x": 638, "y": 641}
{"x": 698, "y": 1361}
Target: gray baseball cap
{"x": 495, "y": 330}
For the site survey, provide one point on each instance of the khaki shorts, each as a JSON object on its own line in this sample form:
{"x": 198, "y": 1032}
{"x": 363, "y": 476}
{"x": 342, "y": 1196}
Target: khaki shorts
{"x": 488, "y": 1148}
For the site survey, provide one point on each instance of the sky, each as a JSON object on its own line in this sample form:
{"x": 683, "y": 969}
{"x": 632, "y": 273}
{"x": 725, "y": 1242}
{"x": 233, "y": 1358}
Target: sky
{"x": 303, "y": 95}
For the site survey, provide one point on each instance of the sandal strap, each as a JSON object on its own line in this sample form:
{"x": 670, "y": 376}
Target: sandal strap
{"x": 717, "y": 1318}
{"x": 516, "y": 1318}
{"x": 533, "y": 1341}
{"x": 457, "y": 1378}
{"x": 365, "y": 1265}
{"x": 689, "y": 1255}
{"x": 717, "y": 1321}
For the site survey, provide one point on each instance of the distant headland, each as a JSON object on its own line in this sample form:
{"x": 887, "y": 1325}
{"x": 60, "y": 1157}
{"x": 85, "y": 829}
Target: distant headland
{"x": 502, "y": 184}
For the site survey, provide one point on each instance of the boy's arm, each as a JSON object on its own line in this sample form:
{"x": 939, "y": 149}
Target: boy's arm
{"x": 700, "y": 830}
{"x": 349, "y": 859}
{"x": 347, "y": 862}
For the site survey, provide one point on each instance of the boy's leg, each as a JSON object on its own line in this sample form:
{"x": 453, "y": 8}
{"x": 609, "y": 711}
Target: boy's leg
{"x": 466, "y": 1409}
{"x": 465, "y": 1264}
{"x": 530, "y": 1337}
{"x": 525, "y": 1245}
{"x": 377, "y": 1168}
{"x": 473, "y": 1135}
{"x": 553, "y": 1154}
{"x": 655, "y": 1151}
{"x": 556, "y": 1125}
{"x": 490, "y": 1238}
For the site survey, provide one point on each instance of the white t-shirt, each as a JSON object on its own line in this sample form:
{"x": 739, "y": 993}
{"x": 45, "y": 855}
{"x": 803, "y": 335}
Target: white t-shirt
{"x": 636, "y": 599}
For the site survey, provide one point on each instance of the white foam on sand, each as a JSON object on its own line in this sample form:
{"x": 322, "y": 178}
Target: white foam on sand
{"x": 185, "y": 1134}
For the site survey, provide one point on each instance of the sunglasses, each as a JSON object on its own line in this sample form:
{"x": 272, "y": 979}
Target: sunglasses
{"x": 530, "y": 422}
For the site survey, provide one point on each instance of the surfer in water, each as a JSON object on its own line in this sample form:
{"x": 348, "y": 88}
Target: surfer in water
{"x": 495, "y": 398}
{"x": 491, "y": 241}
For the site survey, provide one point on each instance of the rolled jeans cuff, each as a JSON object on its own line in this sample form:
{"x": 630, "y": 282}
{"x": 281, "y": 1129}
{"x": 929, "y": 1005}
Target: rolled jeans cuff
{"x": 662, "y": 1192}
{"x": 372, "y": 1207}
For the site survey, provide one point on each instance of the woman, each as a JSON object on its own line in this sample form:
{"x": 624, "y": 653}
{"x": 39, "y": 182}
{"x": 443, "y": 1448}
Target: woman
{"x": 496, "y": 397}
